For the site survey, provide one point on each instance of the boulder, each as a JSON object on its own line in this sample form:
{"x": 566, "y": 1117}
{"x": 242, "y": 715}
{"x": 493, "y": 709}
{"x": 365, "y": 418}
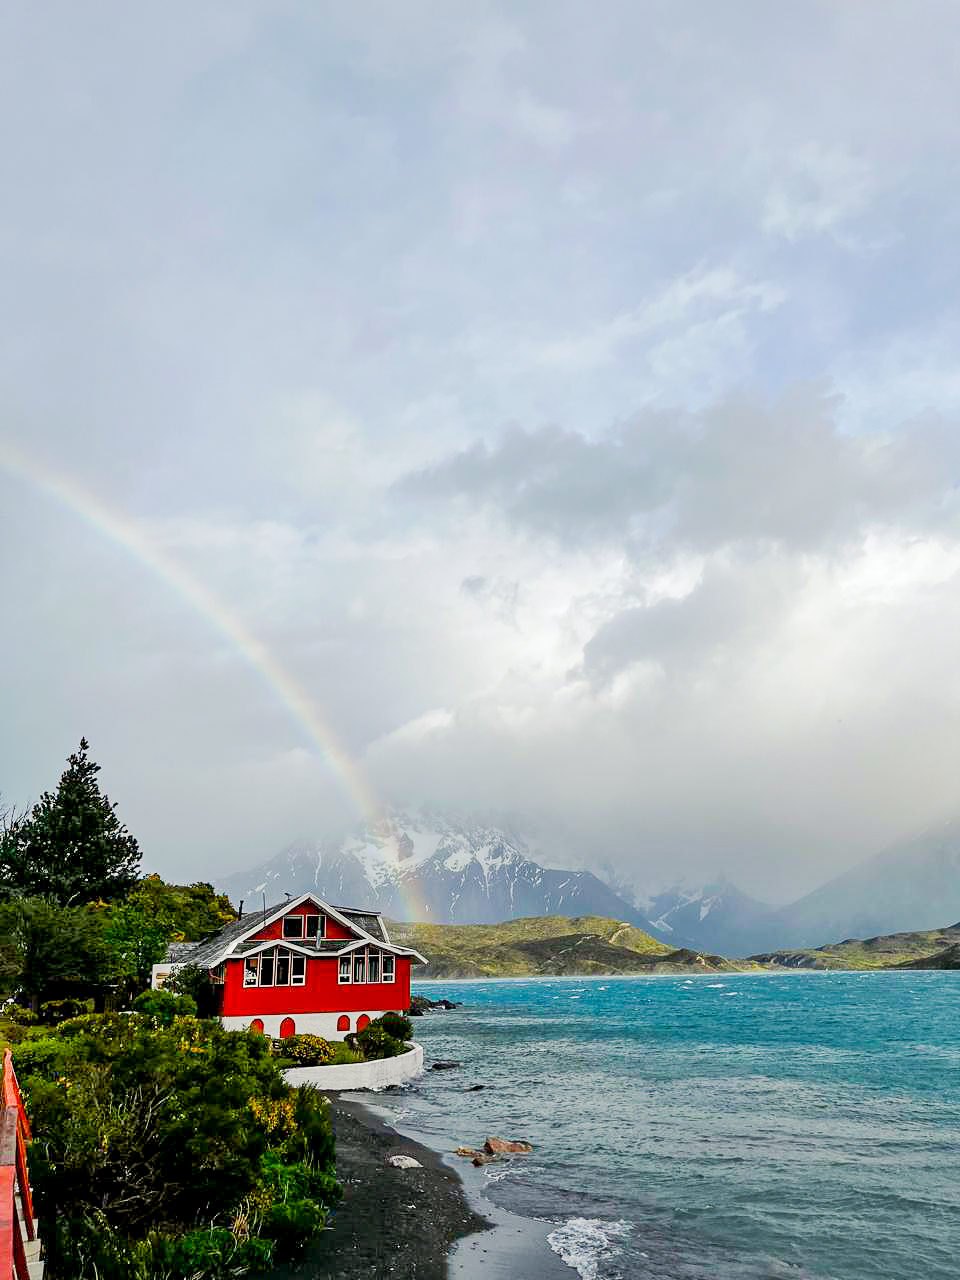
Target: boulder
{"x": 475, "y": 1088}
{"x": 420, "y": 1004}
{"x": 497, "y": 1146}
{"x": 468, "y": 1153}
{"x": 483, "y": 1157}
{"x": 404, "y": 1162}
{"x": 444, "y": 1066}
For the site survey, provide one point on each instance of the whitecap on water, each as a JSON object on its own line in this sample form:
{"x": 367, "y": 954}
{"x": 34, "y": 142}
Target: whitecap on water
{"x": 583, "y": 1243}
{"x": 714, "y": 985}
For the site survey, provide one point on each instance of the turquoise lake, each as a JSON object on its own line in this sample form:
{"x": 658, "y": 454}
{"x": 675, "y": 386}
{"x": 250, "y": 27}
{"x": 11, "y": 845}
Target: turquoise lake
{"x": 735, "y": 1127}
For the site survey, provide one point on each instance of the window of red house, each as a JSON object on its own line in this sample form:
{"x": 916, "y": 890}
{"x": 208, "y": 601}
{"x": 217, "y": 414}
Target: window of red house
{"x": 389, "y": 974}
{"x": 314, "y": 927}
{"x": 359, "y": 967}
{"x": 293, "y": 926}
{"x": 282, "y": 973}
{"x": 373, "y": 967}
{"x": 266, "y": 968}
{"x": 250, "y": 967}
{"x": 344, "y": 968}
{"x": 298, "y": 971}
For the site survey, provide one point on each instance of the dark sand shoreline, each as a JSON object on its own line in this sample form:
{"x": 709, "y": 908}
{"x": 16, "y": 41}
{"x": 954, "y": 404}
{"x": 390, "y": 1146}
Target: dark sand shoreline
{"x": 413, "y": 1224}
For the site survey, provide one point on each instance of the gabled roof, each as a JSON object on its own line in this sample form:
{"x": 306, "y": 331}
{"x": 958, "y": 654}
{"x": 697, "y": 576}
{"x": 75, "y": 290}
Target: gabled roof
{"x": 236, "y": 939}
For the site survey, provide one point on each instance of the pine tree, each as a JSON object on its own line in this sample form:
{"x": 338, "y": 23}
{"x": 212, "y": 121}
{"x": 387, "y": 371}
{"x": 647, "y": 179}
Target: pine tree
{"x": 71, "y": 847}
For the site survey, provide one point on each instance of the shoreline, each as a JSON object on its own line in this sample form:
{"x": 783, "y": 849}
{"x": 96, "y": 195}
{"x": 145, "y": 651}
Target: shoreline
{"x": 391, "y": 1222}
{"x": 422, "y": 1223}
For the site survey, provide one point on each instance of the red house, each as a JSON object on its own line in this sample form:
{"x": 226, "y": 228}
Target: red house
{"x": 303, "y": 966}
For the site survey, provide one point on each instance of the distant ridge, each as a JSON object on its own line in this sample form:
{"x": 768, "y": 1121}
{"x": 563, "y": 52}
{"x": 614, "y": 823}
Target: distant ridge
{"x": 548, "y": 946}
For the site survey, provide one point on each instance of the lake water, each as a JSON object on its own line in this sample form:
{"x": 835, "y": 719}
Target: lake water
{"x": 804, "y": 1126}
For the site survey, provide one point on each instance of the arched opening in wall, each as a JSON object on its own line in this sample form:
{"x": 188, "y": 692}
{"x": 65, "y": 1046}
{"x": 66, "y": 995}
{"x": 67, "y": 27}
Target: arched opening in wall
{"x": 287, "y": 1029}
{"x": 343, "y": 1023}
{"x": 362, "y": 1021}
{"x": 257, "y": 1025}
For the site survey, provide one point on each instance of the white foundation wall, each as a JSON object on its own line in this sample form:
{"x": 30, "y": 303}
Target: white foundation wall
{"x": 361, "y": 1075}
{"x": 313, "y": 1024}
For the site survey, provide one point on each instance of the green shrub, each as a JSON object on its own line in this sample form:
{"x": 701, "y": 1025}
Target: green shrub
{"x": 292, "y": 1224}
{"x": 305, "y": 1050}
{"x": 375, "y": 1042}
{"x": 164, "y": 1006}
{"x": 396, "y": 1025}
{"x": 57, "y": 1011}
{"x": 18, "y": 1013}
{"x": 144, "y": 1130}
{"x": 191, "y": 980}
{"x": 213, "y": 1254}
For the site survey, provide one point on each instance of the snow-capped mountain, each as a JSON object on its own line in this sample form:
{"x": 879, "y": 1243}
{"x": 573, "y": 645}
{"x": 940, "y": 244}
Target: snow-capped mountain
{"x": 432, "y": 867}
{"x": 717, "y": 917}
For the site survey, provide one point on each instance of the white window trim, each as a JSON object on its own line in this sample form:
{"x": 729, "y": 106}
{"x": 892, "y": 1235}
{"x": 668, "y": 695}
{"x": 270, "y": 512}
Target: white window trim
{"x": 359, "y": 955}
{"x": 345, "y": 981}
{"x": 300, "y": 981}
{"x": 383, "y": 968}
{"x": 298, "y": 937}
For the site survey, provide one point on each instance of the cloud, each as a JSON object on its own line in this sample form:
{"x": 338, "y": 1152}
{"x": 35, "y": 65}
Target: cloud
{"x": 821, "y": 191}
{"x": 739, "y": 472}
{"x": 569, "y": 407}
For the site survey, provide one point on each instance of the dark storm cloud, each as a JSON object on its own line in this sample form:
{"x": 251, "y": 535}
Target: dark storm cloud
{"x": 742, "y": 471}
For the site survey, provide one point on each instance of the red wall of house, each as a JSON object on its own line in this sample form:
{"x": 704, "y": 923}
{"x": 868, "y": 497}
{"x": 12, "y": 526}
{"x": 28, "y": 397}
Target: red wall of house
{"x": 333, "y": 929}
{"x": 322, "y": 993}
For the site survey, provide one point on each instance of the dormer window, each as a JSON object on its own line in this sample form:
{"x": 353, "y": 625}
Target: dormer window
{"x": 314, "y": 927}
{"x": 293, "y": 926}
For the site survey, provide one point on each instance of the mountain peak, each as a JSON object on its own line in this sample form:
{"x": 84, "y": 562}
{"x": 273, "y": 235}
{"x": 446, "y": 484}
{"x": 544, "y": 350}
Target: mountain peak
{"x": 438, "y": 866}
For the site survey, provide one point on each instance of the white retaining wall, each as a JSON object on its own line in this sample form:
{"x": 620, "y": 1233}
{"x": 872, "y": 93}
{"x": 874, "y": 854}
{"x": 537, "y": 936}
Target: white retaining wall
{"x": 362, "y": 1075}
{"x": 314, "y": 1024}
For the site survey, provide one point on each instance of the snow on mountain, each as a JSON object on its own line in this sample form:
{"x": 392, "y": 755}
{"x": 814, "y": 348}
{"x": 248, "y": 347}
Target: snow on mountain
{"x": 432, "y": 867}
{"x": 716, "y": 917}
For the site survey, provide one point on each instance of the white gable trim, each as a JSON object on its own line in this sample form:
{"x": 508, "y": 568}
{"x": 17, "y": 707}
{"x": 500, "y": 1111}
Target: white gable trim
{"x": 361, "y": 935}
{"x": 388, "y": 947}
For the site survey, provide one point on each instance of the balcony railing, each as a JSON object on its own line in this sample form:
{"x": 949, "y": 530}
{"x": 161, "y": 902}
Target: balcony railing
{"x": 19, "y": 1242}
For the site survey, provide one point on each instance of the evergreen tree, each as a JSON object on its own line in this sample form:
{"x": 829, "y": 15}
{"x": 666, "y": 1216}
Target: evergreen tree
{"x": 71, "y": 847}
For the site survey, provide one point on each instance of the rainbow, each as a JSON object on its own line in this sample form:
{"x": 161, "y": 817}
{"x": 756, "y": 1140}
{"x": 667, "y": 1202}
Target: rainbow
{"x": 300, "y": 707}
{"x": 128, "y": 535}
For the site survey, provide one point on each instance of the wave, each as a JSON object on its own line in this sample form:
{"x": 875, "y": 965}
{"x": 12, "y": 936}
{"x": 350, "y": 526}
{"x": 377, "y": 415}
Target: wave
{"x": 583, "y": 1243}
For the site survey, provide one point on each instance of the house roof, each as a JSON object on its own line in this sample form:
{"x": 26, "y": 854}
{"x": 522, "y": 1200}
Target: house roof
{"x": 236, "y": 939}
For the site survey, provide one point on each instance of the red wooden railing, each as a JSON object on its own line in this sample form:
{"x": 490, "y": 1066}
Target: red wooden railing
{"x": 18, "y": 1232}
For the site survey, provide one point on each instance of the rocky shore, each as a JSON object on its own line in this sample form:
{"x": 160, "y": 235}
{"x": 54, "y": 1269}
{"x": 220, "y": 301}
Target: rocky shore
{"x": 396, "y": 1219}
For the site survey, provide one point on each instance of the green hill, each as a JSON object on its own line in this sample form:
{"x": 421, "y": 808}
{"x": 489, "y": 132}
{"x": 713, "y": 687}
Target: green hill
{"x": 546, "y": 945}
{"x": 885, "y": 951}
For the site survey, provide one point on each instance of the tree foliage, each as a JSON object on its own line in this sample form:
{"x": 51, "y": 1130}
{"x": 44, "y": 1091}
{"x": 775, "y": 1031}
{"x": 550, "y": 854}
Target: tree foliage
{"x": 192, "y": 912}
{"x": 51, "y": 952}
{"x": 71, "y": 846}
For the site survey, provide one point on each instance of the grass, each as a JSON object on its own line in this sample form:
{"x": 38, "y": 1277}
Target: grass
{"x": 503, "y": 950}
{"x": 880, "y": 952}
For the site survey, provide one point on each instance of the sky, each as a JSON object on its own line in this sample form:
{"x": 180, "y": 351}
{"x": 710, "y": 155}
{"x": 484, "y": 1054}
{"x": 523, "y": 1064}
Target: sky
{"x": 533, "y": 408}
